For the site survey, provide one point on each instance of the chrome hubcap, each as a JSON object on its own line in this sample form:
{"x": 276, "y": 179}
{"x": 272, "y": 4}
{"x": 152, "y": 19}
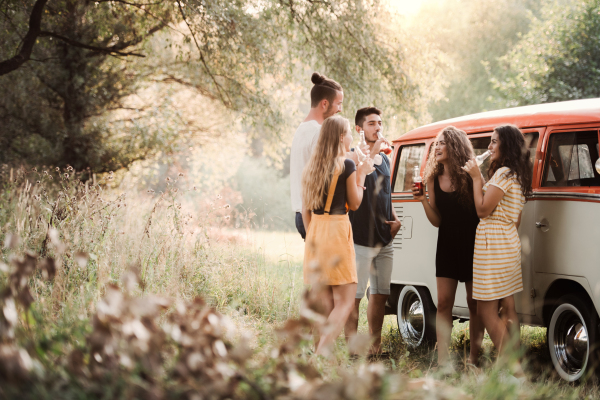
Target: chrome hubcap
{"x": 411, "y": 318}
{"x": 570, "y": 341}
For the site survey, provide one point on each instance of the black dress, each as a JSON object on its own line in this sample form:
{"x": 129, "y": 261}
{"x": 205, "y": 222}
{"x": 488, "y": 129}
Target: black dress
{"x": 456, "y": 236}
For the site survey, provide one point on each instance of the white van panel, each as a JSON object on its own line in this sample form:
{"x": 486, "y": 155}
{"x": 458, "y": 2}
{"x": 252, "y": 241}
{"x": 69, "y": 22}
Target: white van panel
{"x": 571, "y": 245}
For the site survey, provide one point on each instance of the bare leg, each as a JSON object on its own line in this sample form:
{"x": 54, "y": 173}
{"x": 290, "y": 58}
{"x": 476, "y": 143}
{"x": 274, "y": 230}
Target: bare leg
{"x": 488, "y": 311}
{"x": 343, "y": 302}
{"x": 351, "y": 327}
{"x": 446, "y": 289}
{"x": 511, "y": 320}
{"x": 325, "y": 297}
{"x": 375, "y": 315}
{"x": 476, "y": 329}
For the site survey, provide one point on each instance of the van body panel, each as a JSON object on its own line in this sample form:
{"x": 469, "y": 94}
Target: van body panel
{"x": 414, "y": 258}
{"x": 544, "y": 281}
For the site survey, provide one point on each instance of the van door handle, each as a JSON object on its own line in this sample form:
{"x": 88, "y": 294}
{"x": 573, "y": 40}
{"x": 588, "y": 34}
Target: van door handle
{"x": 543, "y": 225}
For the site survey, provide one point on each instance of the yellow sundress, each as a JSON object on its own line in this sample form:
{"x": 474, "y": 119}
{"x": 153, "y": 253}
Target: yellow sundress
{"x": 330, "y": 247}
{"x": 497, "y": 256}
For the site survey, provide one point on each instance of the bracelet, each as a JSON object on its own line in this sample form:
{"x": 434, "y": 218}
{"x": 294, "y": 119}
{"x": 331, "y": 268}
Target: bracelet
{"x": 360, "y": 186}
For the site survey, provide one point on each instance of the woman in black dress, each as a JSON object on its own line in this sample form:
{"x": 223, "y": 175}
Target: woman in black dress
{"x": 451, "y": 209}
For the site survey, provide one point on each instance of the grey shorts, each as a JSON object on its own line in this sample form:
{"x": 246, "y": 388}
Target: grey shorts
{"x": 374, "y": 264}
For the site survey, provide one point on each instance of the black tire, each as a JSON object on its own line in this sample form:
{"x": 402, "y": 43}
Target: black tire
{"x": 416, "y": 316}
{"x": 572, "y": 338}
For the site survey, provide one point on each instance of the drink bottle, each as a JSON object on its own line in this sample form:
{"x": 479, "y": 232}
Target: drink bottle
{"x": 417, "y": 180}
{"x": 361, "y": 144}
{"x": 482, "y": 157}
{"x": 387, "y": 149}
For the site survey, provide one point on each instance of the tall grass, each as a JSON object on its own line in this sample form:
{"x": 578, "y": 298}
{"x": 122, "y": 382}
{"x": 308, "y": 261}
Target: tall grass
{"x": 180, "y": 253}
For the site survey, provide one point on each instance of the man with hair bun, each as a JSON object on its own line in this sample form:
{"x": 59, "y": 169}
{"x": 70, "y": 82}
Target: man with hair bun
{"x": 326, "y": 98}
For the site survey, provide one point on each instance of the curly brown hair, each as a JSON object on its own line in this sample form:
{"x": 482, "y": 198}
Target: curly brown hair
{"x": 459, "y": 150}
{"x": 514, "y": 155}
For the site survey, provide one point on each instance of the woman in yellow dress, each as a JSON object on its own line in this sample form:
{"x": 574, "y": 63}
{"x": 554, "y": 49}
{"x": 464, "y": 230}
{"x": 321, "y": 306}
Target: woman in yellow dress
{"x": 329, "y": 182}
{"x": 497, "y": 272}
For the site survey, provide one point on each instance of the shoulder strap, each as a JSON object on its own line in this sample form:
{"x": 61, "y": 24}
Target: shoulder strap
{"x": 331, "y": 192}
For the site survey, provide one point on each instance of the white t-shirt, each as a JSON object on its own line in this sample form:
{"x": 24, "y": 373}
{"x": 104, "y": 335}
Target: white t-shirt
{"x": 304, "y": 142}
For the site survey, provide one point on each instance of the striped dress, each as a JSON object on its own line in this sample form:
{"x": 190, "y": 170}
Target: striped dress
{"x": 497, "y": 257}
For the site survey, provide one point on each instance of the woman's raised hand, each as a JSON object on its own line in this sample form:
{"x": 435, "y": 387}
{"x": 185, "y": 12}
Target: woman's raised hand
{"x": 416, "y": 195}
{"x": 367, "y": 166}
{"x": 472, "y": 169}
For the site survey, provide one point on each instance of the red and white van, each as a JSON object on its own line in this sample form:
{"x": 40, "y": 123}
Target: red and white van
{"x": 560, "y": 229}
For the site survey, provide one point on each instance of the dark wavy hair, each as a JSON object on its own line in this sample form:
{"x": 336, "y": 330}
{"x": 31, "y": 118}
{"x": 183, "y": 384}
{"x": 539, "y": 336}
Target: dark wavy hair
{"x": 459, "y": 150}
{"x": 514, "y": 155}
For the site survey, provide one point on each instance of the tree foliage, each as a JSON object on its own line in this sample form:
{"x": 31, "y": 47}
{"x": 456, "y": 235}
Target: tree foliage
{"x": 559, "y": 59}
{"x": 473, "y": 35}
{"x": 53, "y": 105}
{"x": 78, "y": 100}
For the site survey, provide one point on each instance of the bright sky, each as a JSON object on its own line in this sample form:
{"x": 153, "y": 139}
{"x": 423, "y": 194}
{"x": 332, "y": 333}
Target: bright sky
{"x": 407, "y": 7}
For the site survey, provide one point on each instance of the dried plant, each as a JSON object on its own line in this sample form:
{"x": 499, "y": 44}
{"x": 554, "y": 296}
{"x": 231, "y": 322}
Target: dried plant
{"x": 15, "y": 362}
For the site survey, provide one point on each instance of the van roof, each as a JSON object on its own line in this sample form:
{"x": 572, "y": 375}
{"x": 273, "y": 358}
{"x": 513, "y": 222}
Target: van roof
{"x": 565, "y": 112}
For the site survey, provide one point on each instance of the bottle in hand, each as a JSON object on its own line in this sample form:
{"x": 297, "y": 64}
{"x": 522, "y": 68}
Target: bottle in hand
{"x": 482, "y": 157}
{"x": 361, "y": 144}
{"x": 417, "y": 180}
{"x": 385, "y": 148}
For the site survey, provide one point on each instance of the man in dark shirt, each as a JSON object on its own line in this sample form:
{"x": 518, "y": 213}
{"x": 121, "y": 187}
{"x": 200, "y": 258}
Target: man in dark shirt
{"x": 374, "y": 226}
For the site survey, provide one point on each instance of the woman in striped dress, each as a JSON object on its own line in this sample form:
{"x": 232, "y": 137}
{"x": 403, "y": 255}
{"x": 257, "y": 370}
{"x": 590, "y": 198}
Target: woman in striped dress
{"x": 497, "y": 257}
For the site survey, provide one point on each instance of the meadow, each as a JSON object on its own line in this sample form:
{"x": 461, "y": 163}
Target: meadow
{"x": 109, "y": 294}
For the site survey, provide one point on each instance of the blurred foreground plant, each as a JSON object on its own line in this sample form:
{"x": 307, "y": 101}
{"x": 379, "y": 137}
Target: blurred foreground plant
{"x": 153, "y": 347}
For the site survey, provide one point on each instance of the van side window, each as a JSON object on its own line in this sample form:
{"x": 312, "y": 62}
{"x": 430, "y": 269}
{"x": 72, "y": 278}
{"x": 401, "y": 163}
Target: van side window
{"x": 410, "y": 156}
{"x": 571, "y": 158}
{"x": 480, "y": 146}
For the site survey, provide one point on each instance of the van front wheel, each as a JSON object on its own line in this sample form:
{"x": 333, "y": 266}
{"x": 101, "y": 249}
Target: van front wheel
{"x": 416, "y": 316}
{"x": 571, "y": 337}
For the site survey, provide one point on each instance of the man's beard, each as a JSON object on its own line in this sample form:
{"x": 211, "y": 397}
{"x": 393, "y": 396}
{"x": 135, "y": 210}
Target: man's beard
{"x": 329, "y": 112}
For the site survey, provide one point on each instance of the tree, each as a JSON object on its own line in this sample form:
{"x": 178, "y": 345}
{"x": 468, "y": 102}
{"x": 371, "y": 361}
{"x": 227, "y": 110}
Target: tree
{"x": 74, "y": 76}
{"x": 473, "y": 35}
{"x": 559, "y": 59}
{"x": 73, "y": 104}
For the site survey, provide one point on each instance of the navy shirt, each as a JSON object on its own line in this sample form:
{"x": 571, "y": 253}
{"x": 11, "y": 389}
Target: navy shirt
{"x": 338, "y": 203}
{"x": 368, "y": 222}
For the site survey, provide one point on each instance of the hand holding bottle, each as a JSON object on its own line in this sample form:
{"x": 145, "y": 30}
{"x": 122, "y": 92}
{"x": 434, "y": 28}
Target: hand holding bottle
{"x": 366, "y": 167}
{"x": 472, "y": 169}
{"x": 418, "y": 190}
{"x": 382, "y": 144}
{"x": 362, "y": 150}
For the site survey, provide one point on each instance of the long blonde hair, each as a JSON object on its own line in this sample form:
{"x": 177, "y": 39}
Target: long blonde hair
{"x": 327, "y": 158}
{"x": 459, "y": 150}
